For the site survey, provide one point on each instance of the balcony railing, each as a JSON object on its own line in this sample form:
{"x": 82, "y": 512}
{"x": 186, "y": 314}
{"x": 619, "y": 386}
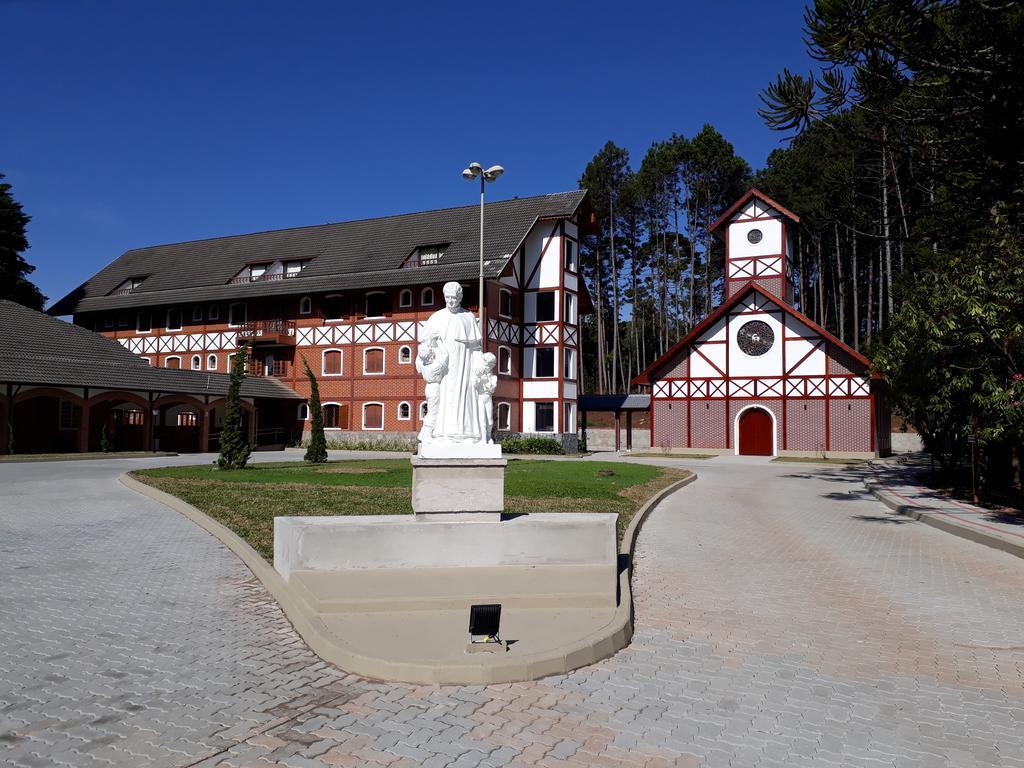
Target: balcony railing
{"x": 260, "y": 368}
{"x": 265, "y": 277}
{"x": 267, "y": 331}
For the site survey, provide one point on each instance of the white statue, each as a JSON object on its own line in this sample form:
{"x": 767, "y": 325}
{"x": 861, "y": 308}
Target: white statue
{"x": 485, "y": 382}
{"x": 452, "y": 335}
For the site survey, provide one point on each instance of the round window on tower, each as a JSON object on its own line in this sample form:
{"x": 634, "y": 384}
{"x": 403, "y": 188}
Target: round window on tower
{"x": 755, "y": 338}
{"x": 754, "y": 236}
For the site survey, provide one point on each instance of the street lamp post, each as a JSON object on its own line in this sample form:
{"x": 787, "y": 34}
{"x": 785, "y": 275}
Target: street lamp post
{"x": 473, "y": 171}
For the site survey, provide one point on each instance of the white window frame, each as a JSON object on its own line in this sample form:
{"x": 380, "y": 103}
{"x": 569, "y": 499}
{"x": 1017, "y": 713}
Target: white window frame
{"x": 554, "y": 362}
{"x": 71, "y": 416}
{"x": 383, "y": 360}
{"x": 213, "y": 312}
{"x": 574, "y": 246}
{"x": 407, "y": 405}
{"x": 172, "y": 357}
{"x": 423, "y": 297}
{"x": 167, "y": 319}
{"x": 300, "y": 415}
{"x": 323, "y": 362}
{"x": 569, "y": 308}
{"x": 211, "y": 362}
{"x": 196, "y": 363}
{"x": 506, "y": 427}
{"x": 138, "y": 317}
{"x": 404, "y": 294}
{"x": 305, "y": 306}
{"x": 339, "y": 405}
{"x": 373, "y": 429}
{"x": 366, "y": 305}
{"x": 406, "y": 349}
{"x": 334, "y": 319}
{"x": 197, "y": 313}
{"x": 509, "y": 371}
{"x": 287, "y": 267}
{"x": 554, "y": 416}
{"x": 500, "y": 302}
{"x": 569, "y": 371}
{"x": 148, "y": 361}
{"x": 423, "y": 410}
{"x": 554, "y": 307}
{"x": 231, "y": 306}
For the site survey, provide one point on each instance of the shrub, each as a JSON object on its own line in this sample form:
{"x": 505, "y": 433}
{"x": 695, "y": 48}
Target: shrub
{"x": 317, "y": 451}
{"x": 234, "y": 447}
{"x": 531, "y": 445}
{"x": 397, "y": 444}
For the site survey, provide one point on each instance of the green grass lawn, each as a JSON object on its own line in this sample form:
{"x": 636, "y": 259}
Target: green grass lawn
{"x": 248, "y": 500}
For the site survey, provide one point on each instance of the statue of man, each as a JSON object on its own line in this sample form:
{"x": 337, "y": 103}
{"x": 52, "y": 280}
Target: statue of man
{"x": 457, "y": 417}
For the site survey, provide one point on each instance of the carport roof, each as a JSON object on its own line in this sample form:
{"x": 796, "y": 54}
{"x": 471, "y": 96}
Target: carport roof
{"x": 39, "y": 350}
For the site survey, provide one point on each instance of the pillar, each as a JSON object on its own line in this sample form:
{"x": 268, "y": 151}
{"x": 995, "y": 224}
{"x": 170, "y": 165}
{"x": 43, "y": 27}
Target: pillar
{"x": 83, "y": 429}
{"x": 252, "y": 427}
{"x": 618, "y": 423}
{"x": 629, "y": 430}
{"x": 204, "y": 430}
{"x": 6, "y": 417}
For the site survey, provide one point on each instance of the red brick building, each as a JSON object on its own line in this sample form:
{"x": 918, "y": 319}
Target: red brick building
{"x": 350, "y": 299}
{"x": 757, "y": 376}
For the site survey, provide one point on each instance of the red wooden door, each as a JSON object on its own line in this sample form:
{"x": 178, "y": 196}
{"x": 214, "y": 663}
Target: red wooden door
{"x": 756, "y": 433}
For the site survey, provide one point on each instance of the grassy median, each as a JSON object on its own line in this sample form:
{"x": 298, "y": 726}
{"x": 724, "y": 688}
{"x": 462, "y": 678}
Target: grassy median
{"x": 248, "y": 500}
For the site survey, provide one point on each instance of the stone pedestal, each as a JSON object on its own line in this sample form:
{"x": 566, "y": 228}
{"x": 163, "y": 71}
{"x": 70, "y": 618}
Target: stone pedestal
{"x": 462, "y": 488}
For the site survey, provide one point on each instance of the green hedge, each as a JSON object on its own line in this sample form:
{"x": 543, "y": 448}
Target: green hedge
{"x": 546, "y": 445}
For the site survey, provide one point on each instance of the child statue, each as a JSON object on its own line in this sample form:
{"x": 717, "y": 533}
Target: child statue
{"x": 432, "y": 365}
{"x": 485, "y": 382}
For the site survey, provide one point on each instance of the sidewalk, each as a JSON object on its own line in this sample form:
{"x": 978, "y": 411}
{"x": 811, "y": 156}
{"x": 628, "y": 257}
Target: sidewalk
{"x": 900, "y": 485}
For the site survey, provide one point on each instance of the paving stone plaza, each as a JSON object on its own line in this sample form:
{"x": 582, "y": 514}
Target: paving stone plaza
{"x": 783, "y": 618}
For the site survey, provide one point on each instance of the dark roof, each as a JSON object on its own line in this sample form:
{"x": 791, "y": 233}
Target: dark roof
{"x": 354, "y": 254}
{"x": 754, "y": 192}
{"x": 644, "y": 377}
{"x": 614, "y": 402}
{"x": 42, "y": 350}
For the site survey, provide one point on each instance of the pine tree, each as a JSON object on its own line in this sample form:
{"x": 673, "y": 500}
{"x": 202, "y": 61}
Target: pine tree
{"x": 14, "y": 283}
{"x": 316, "y": 453}
{"x": 234, "y": 448}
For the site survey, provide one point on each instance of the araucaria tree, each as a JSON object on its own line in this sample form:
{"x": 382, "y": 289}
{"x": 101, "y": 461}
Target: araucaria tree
{"x": 234, "y": 448}
{"x": 14, "y": 270}
{"x": 316, "y": 453}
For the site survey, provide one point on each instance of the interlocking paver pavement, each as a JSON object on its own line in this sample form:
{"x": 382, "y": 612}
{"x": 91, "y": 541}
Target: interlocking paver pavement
{"x": 784, "y": 618}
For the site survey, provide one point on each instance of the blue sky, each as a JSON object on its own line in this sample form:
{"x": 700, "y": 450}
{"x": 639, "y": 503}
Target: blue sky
{"x": 134, "y": 123}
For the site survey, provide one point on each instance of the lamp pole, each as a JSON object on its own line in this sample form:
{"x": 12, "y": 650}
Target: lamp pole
{"x": 473, "y": 171}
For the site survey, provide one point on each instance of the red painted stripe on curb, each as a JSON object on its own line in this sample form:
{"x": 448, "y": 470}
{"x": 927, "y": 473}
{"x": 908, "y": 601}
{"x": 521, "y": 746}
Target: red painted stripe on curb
{"x": 948, "y": 514}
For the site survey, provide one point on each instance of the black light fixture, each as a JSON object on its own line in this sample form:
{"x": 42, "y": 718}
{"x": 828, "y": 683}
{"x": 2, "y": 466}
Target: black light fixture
{"x": 484, "y": 622}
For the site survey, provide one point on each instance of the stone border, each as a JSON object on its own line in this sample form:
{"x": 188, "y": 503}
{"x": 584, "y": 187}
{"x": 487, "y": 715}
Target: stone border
{"x": 944, "y": 521}
{"x": 611, "y": 638}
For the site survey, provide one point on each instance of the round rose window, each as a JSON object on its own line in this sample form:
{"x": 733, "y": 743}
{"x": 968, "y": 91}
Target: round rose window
{"x": 754, "y": 236}
{"x": 755, "y": 338}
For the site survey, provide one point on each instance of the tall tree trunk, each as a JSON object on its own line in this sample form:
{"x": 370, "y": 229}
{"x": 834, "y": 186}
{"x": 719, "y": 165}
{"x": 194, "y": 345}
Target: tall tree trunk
{"x": 616, "y": 362}
{"x": 885, "y": 226}
{"x": 871, "y": 293}
{"x": 855, "y": 279}
{"x": 800, "y": 272}
{"x": 602, "y": 381}
{"x": 821, "y": 281}
{"x": 841, "y": 298}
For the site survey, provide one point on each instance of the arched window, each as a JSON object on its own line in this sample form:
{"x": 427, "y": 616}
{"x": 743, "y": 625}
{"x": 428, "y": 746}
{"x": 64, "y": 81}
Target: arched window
{"x": 335, "y": 416}
{"x": 423, "y": 410}
{"x": 144, "y": 322}
{"x": 334, "y": 307}
{"x": 404, "y": 412}
{"x": 504, "y": 417}
{"x": 237, "y": 314}
{"x": 172, "y": 362}
{"x": 427, "y": 297}
{"x": 146, "y": 360}
{"x": 211, "y": 362}
{"x": 197, "y": 314}
{"x": 197, "y": 363}
{"x": 373, "y": 416}
{"x": 505, "y": 360}
{"x": 303, "y": 414}
{"x": 377, "y": 304}
{"x": 405, "y": 355}
{"x": 332, "y": 362}
{"x": 305, "y": 306}
{"x": 174, "y": 319}
{"x": 373, "y": 361}
{"x": 405, "y": 298}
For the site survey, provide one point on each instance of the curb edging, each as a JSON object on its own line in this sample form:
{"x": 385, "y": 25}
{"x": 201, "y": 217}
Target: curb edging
{"x": 599, "y": 645}
{"x": 936, "y": 518}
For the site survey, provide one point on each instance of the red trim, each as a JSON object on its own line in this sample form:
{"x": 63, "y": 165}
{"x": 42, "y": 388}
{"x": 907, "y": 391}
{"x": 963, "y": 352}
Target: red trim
{"x": 644, "y": 377}
{"x": 798, "y": 363}
{"x": 874, "y": 423}
{"x": 708, "y": 361}
{"x": 785, "y": 405}
{"x": 753, "y": 192}
{"x": 540, "y": 259}
{"x": 828, "y": 410}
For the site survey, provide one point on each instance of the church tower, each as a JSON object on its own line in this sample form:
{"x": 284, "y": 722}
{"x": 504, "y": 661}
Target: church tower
{"x": 758, "y": 235}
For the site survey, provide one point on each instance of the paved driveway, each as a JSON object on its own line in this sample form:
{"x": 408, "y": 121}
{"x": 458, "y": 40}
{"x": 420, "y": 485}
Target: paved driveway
{"x": 783, "y": 618}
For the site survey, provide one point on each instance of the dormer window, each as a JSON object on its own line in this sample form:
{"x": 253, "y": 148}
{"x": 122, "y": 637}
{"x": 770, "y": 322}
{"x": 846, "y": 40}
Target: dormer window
{"x": 251, "y": 273}
{"x": 426, "y": 255}
{"x": 129, "y": 285}
{"x": 293, "y": 268}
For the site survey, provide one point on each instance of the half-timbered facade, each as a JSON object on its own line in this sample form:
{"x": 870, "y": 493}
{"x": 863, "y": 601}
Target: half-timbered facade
{"x": 757, "y": 376}
{"x": 351, "y": 299}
